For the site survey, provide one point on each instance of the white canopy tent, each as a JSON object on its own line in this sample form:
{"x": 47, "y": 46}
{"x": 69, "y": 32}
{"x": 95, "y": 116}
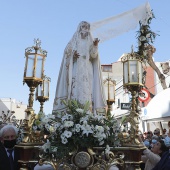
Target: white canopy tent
{"x": 158, "y": 107}
{"x": 157, "y": 112}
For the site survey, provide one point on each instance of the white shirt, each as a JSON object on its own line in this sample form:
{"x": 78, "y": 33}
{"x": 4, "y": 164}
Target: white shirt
{"x": 8, "y": 153}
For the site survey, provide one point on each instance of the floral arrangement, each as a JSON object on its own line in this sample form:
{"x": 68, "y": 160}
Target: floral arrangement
{"x": 43, "y": 122}
{"x": 79, "y": 128}
{"x": 145, "y": 36}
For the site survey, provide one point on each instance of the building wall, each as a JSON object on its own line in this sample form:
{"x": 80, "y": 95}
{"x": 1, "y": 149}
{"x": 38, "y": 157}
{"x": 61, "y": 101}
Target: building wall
{"x": 150, "y": 83}
{"x": 120, "y": 94}
{"x": 158, "y": 84}
{"x": 8, "y": 104}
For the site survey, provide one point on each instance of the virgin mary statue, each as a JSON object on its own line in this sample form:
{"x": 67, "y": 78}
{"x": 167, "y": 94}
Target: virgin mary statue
{"x": 80, "y": 76}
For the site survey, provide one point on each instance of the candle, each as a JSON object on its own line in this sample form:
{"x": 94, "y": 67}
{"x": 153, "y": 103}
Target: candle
{"x": 133, "y": 77}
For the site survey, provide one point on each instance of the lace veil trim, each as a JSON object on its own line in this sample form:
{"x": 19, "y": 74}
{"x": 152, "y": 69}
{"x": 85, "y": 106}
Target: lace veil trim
{"x": 111, "y": 27}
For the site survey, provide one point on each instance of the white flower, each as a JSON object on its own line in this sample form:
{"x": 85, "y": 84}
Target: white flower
{"x": 62, "y": 136}
{"x": 86, "y": 129}
{"x": 45, "y": 120}
{"x": 77, "y": 127}
{"x": 56, "y": 125}
{"x": 70, "y": 117}
{"x": 99, "y": 117}
{"x": 148, "y": 35}
{"x": 80, "y": 110}
{"x": 84, "y": 119}
{"x": 68, "y": 124}
{"x": 66, "y": 117}
{"x": 77, "y": 130}
{"x": 47, "y": 126}
{"x": 99, "y": 128}
{"x": 142, "y": 38}
{"x": 64, "y": 140}
{"x": 100, "y": 136}
{"x": 67, "y": 134}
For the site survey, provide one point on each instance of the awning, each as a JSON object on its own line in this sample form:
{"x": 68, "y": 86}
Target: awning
{"x": 158, "y": 107}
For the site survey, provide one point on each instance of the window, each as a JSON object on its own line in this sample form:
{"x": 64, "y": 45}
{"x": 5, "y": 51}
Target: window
{"x": 107, "y": 68}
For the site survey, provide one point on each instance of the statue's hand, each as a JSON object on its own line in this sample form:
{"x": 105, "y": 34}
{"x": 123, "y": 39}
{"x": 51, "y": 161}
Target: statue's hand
{"x": 76, "y": 55}
{"x": 96, "y": 41}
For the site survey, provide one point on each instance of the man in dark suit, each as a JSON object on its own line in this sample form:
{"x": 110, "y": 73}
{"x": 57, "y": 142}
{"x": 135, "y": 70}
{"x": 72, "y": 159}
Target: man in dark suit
{"x": 8, "y": 155}
{"x": 164, "y": 163}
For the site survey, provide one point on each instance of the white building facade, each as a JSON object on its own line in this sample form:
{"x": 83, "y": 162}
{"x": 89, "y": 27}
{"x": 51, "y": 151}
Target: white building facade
{"x": 11, "y": 105}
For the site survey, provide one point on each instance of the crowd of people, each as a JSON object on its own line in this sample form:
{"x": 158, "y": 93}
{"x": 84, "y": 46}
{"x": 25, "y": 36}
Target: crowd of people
{"x": 156, "y": 155}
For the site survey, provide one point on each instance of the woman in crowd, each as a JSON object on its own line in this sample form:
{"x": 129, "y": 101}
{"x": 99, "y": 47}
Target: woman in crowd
{"x": 152, "y": 156}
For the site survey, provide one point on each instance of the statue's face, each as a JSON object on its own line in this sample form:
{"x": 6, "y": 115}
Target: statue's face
{"x": 84, "y": 30}
{"x": 85, "y": 26}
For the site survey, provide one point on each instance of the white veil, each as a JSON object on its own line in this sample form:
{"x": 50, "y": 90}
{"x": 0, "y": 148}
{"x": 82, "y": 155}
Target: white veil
{"x": 111, "y": 27}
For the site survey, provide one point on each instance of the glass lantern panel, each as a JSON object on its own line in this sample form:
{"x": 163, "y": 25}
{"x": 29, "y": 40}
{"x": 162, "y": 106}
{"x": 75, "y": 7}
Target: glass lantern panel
{"x": 46, "y": 88}
{"x": 40, "y": 90}
{"x": 39, "y": 66}
{"x": 111, "y": 91}
{"x": 30, "y": 66}
{"x": 140, "y": 72}
{"x": 125, "y": 70}
{"x": 133, "y": 72}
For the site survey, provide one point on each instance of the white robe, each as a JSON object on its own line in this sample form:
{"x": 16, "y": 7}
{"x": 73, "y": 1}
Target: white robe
{"x": 81, "y": 78}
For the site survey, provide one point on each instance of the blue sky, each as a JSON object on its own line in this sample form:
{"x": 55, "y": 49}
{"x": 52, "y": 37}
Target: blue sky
{"x": 54, "y": 22}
